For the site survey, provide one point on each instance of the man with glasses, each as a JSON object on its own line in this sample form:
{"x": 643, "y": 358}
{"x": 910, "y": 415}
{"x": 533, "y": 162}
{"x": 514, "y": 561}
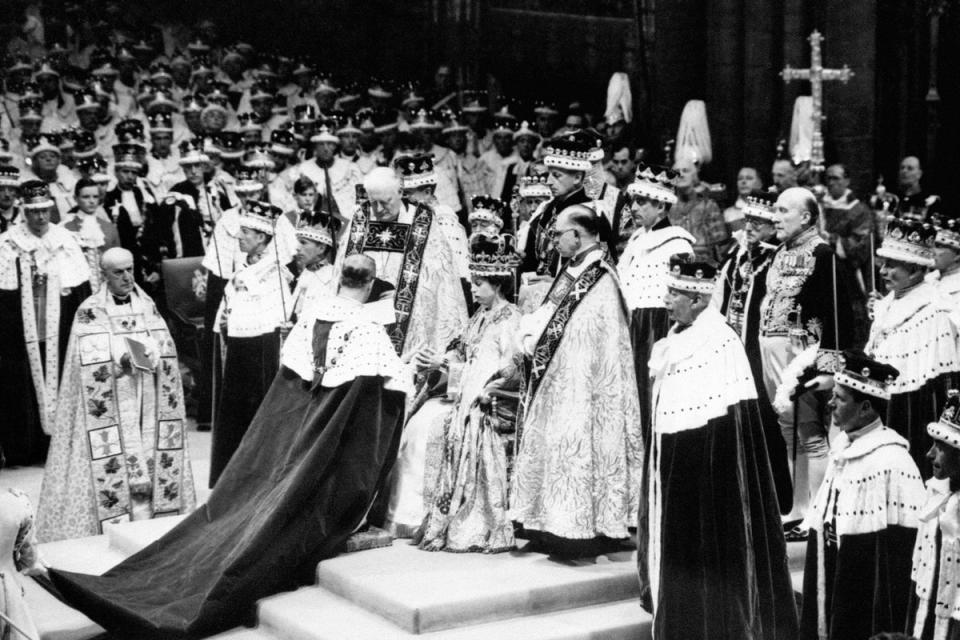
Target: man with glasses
{"x": 741, "y": 285}
{"x": 578, "y": 466}
{"x": 643, "y": 268}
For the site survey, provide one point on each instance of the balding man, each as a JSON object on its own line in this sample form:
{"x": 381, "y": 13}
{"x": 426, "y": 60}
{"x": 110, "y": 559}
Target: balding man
{"x": 784, "y": 175}
{"x": 412, "y": 253}
{"x": 915, "y": 201}
{"x": 119, "y": 446}
{"x": 806, "y": 308}
{"x": 577, "y": 471}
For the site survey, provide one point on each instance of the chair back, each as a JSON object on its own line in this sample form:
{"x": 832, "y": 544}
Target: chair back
{"x": 178, "y": 278}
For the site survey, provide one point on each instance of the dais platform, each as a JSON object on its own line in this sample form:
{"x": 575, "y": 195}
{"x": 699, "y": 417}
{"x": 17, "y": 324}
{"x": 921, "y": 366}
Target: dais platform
{"x": 400, "y": 592}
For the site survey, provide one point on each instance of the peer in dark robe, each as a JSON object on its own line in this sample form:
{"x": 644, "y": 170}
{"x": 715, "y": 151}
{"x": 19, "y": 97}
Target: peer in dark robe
{"x": 132, "y": 207}
{"x": 711, "y": 551}
{"x": 222, "y": 259}
{"x": 912, "y": 330}
{"x": 256, "y": 307}
{"x": 643, "y": 269}
{"x": 566, "y": 180}
{"x": 863, "y": 521}
{"x": 43, "y": 279}
{"x": 935, "y": 588}
{"x": 740, "y": 289}
{"x": 300, "y": 484}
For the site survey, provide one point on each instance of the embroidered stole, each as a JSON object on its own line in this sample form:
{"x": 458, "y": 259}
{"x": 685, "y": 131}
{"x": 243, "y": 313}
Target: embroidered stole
{"x": 115, "y": 470}
{"x": 45, "y": 380}
{"x": 411, "y": 239}
{"x": 567, "y": 293}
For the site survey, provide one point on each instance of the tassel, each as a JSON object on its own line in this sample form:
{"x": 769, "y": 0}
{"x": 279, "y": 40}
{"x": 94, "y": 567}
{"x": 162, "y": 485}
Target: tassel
{"x": 619, "y": 99}
{"x": 801, "y": 130}
{"x": 693, "y": 134}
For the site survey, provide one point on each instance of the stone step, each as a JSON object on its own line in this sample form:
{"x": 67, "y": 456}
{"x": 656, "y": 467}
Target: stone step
{"x": 83, "y": 555}
{"x": 127, "y": 538}
{"x": 796, "y": 555}
{"x": 54, "y": 619}
{"x": 422, "y": 592}
{"x": 242, "y": 633}
{"x": 314, "y": 613}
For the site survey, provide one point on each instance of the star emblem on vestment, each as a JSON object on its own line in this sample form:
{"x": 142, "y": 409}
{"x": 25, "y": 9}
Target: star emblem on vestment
{"x": 385, "y": 236}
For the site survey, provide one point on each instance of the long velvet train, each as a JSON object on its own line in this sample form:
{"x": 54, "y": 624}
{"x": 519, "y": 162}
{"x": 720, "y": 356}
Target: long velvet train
{"x": 298, "y": 486}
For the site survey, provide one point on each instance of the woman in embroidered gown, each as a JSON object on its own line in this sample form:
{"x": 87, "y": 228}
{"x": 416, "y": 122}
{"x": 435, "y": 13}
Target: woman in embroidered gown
{"x": 18, "y": 554}
{"x": 435, "y": 458}
{"x": 466, "y": 468}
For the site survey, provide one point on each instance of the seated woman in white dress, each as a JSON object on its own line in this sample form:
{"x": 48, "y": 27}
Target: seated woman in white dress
{"x": 449, "y": 486}
{"x": 18, "y": 554}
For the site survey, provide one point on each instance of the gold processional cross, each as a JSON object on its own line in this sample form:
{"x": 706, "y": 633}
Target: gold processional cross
{"x": 816, "y": 74}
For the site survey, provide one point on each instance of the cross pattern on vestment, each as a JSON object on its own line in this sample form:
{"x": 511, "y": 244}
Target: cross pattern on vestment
{"x": 170, "y": 435}
{"x": 816, "y": 74}
{"x": 105, "y": 443}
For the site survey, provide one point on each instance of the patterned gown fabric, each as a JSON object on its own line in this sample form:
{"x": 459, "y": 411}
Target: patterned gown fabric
{"x": 465, "y": 491}
{"x": 17, "y": 553}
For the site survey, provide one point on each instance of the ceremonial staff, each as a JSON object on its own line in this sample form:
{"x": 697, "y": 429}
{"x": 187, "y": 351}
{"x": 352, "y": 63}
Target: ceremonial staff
{"x": 285, "y": 323}
{"x": 213, "y": 341}
{"x": 14, "y": 626}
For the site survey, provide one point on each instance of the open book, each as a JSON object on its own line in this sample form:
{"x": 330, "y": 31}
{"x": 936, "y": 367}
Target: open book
{"x": 138, "y": 354}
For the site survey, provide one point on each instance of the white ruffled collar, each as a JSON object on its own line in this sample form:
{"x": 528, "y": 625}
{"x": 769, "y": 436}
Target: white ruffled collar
{"x": 892, "y": 312}
{"x": 647, "y": 240}
{"x": 845, "y": 449}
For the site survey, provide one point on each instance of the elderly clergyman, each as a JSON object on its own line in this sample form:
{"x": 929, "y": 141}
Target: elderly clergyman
{"x": 119, "y": 447}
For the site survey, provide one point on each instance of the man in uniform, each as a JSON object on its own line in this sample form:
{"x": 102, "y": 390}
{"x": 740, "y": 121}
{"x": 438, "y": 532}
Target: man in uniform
{"x": 805, "y": 309}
